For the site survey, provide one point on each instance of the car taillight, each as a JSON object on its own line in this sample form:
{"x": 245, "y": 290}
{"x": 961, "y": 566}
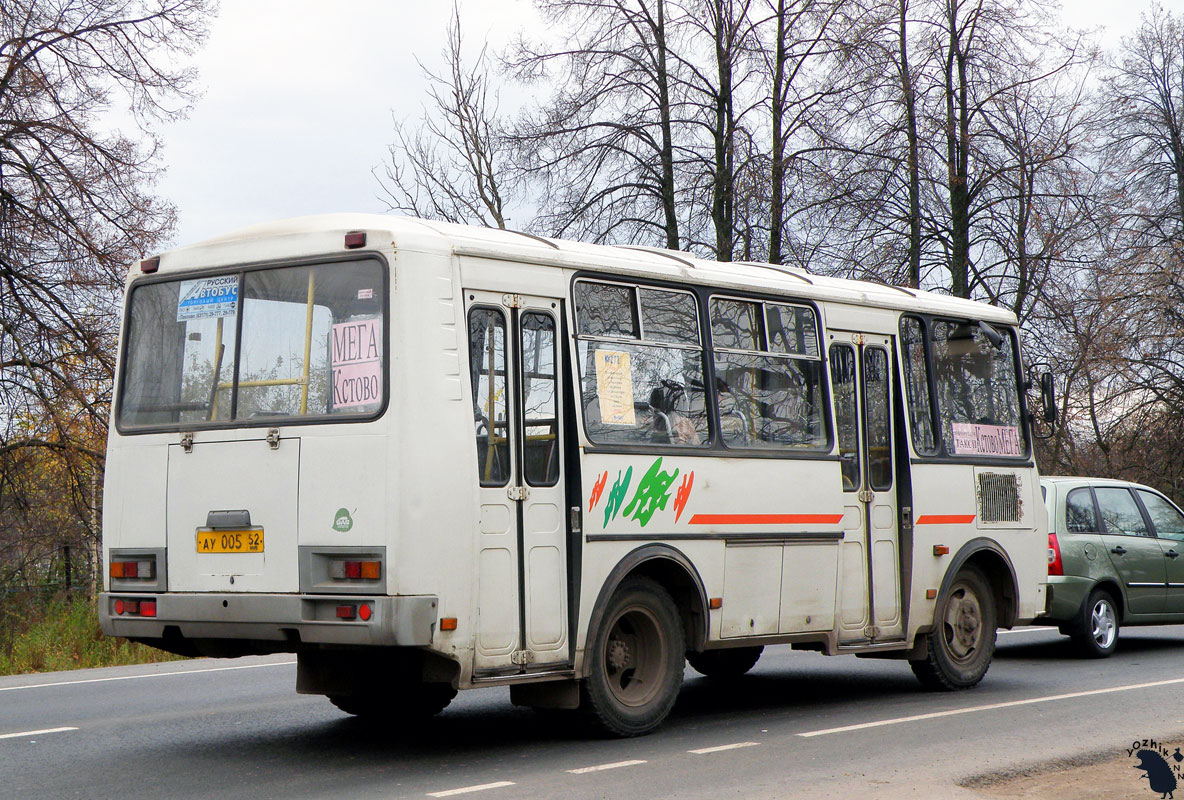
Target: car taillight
{"x": 128, "y": 570}
{"x": 1055, "y": 566}
{"x": 355, "y": 570}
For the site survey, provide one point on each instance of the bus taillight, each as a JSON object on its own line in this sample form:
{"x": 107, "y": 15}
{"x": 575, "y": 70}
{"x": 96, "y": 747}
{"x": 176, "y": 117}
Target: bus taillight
{"x": 362, "y": 611}
{"x": 1055, "y": 567}
{"x": 125, "y": 570}
{"x": 133, "y": 608}
{"x": 355, "y": 570}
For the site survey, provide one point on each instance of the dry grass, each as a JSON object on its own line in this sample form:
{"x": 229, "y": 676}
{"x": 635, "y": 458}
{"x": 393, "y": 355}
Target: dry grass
{"x": 62, "y": 633}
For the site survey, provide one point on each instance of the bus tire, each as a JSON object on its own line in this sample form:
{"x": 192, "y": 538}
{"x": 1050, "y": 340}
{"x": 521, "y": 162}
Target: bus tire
{"x": 636, "y": 661}
{"x": 730, "y": 663}
{"x": 416, "y": 702}
{"x": 1095, "y": 631}
{"x": 960, "y": 648}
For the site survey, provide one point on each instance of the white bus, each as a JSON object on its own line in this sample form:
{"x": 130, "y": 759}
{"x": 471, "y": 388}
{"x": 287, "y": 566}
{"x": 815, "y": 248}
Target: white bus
{"x": 426, "y": 457}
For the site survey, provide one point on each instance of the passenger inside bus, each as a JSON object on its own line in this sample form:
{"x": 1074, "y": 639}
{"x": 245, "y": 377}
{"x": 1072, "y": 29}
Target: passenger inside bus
{"x": 668, "y": 424}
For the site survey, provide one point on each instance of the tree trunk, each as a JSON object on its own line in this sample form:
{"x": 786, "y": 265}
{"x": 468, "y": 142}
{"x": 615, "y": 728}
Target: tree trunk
{"x": 914, "y": 159}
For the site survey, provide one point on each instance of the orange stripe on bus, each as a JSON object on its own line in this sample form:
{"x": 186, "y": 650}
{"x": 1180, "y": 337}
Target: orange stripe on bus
{"x": 766, "y": 519}
{"x": 945, "y": 519}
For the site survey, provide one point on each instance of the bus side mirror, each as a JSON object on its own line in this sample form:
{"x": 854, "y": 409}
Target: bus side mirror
{"x": 1048, "y": 397}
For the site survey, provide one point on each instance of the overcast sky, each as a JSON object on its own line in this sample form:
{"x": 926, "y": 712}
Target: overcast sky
{"x": 298, "y": 96}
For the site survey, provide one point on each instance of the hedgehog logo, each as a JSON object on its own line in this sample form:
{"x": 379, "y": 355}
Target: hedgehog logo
{"x": 1157, "y": 772}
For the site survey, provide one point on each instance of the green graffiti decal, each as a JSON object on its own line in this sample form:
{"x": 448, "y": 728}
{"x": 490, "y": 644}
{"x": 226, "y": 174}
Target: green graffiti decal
{"x": 616, "y": 495}
{"x": 652, "y": 493}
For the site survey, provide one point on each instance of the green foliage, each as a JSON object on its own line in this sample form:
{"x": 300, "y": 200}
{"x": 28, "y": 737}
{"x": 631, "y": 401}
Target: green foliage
{"x": 61, "y": 633}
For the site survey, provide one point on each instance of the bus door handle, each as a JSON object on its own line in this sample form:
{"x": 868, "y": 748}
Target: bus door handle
{"x": 1118, "y": 551}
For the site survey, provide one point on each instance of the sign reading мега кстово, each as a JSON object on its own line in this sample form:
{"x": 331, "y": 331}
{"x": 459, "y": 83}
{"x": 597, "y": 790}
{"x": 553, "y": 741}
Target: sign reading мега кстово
{"x": 356, "y": 358}
{"x": 207, "y": 297}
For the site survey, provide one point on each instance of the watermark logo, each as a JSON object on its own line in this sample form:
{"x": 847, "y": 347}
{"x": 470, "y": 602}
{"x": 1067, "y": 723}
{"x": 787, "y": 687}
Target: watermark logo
{"x": 1162, "y": 770}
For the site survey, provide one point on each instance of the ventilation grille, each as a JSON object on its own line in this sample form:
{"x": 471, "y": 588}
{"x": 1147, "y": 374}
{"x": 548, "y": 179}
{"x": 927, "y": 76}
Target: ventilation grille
{"x": 998, "y": 497}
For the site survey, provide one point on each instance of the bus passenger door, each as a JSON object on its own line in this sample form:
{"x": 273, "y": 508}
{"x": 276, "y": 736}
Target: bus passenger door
{"x": 870, "y": 590}
{"x": 522, "y": 548}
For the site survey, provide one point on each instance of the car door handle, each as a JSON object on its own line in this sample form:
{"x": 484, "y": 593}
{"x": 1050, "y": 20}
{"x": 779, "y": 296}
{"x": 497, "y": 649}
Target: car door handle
{"x": 1118, "y": 551}
{"x": 1172, "y": 554}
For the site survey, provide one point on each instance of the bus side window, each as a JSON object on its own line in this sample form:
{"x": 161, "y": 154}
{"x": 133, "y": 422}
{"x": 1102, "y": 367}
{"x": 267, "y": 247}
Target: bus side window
{"x": 641, "y": 365}
{"x": 916, "y": 379}
{"x": 768, "y": 374}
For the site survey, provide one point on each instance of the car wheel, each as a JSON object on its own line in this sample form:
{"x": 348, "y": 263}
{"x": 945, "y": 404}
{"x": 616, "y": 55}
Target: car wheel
{"x": 730, "y": 663}
{"x": 1096, "y": 631}
{"x": 636, "y": 661}
{"x": 963, "y": 640}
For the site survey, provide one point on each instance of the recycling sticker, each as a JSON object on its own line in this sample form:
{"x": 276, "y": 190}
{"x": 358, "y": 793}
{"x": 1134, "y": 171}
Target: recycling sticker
{"x": 342, "y": 521}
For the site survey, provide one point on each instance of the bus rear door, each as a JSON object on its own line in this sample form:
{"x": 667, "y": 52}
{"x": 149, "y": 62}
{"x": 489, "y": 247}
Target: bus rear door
{"x": 522, "y": 548}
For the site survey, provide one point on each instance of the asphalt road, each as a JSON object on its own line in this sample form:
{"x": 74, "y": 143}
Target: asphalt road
{"x": 799, "y": 725}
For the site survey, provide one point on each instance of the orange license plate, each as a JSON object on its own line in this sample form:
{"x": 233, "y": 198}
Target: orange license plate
{"x": 230, "y": 541}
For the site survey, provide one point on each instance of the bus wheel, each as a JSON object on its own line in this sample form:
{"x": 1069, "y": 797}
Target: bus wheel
{"x": 414, "y": 702}
{"x": 636, "y": 661}
{"x": 963, "y": 640}
{"x": 730, "y": 663}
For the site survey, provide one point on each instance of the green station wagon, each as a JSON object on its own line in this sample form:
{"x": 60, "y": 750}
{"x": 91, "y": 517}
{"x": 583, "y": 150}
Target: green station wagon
{"x": 1114, "y": 552}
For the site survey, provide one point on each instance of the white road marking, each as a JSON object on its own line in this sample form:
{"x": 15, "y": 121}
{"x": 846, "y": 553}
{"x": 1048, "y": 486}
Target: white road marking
{"x": 722, "y": 747}
{"x": 1029, "y": 630}
{"x": 614, "y": 765}
{"x": 34, "y": 733}
{"x": 990, "y": 707}
{"x": 152, "y": 675}
{"x": 467, "y": 789}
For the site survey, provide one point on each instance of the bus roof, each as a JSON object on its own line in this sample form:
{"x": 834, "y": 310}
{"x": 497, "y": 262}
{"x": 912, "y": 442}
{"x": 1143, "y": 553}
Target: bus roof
{"x": 303, "y": 236}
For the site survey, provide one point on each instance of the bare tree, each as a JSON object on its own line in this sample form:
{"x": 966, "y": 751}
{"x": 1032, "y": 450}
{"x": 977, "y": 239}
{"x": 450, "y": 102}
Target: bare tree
{"x": 453, "y": 163}
{"x": 799, "y": 42}
{"x": 717, "y": 95}
{"x": 75, "y": 208}
{"x": 1145, "y": 95}
{"x": 601, "y": 150}
{"x": 1040, "y": 216}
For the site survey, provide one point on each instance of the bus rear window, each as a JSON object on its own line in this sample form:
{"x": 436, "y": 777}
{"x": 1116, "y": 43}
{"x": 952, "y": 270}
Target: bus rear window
{"x": 250, "y": 346}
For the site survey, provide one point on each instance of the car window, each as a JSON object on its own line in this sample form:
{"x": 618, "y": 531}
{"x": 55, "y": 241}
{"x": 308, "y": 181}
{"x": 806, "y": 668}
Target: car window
{"x": 1120, "y": 514}
{"x": 1080, "y": 515}
{"x": 1168, "y": 521}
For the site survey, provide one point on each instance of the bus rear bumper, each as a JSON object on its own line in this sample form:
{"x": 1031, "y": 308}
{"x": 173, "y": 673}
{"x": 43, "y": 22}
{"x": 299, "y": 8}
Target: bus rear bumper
{"x": 281, "y": 618}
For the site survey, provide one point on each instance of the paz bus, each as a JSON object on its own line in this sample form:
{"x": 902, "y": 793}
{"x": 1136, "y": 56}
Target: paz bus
{"x": 427, "y": 457}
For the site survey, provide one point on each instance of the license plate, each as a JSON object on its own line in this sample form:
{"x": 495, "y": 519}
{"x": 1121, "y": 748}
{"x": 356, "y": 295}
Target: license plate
{"x": 230, "y": 541}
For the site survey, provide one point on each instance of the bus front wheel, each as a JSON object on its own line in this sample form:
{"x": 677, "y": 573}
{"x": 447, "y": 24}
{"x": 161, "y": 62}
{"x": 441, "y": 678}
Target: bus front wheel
{"x": 637, "y": 659}
{"x": 962, "y": 643}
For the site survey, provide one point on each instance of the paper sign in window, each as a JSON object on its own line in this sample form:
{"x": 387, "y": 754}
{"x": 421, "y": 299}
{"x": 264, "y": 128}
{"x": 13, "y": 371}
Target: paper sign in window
{"x": 356, "y": 360}
{"x": 207, "y": 298}
{"x": 986, "y": 440}
{"x": 614, "y": 388}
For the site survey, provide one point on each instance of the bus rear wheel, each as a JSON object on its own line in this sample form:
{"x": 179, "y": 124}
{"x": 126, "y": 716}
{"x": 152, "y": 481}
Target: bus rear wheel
{"x": 963, "y": 640}
{"x": 415, "y": 702}
{"x": 730, "y": 663}
{"x": 636, "y": 661}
